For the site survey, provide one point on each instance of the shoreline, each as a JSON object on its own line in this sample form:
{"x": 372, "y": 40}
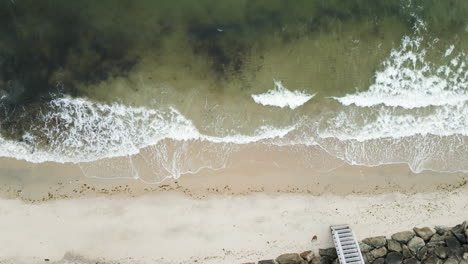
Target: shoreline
{"x": 50, "y": 181}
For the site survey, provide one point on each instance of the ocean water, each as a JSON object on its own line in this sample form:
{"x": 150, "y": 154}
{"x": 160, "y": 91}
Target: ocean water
{"x": 157, "y": 89}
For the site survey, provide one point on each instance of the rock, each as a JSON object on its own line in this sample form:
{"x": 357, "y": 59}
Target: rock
{"x": 406, "y": 252}
{"x": 435, "y": 244}
{"x": 329, "y": 252}
{"x": 415, "y": 244}
{"x": 368, "y": 258}
{"x": 379, "y": 252}
{"x": 441, "y": 230}
{"x": 325, "y": 260}
{"x": 442, "y": 252}
{"x": 307, "y": 255}
{"x": 365, "y": 247}
{"x": 411, "y": 261}
{"x": 393, "y": 245}
{"x": 403, "y": 237}
{"x": 432, "y": 260}
{"x": 293, "y": 258}
{"x": 458, "y": 231}
{"x": 437, "y": 238}
{"x": 394, "y": 258}
{"x": 425, "y": 233}
{"x": 267, "y": 261}
{"x": 375, "y": 242}
{"x": 451, "y": 261}
{"x": 379, "y": 261}
{"x": 422, "y": 253}
{"x": 452, "y": 243}
{"x": 465, "y": 256}
{"x": 315, "y": 260}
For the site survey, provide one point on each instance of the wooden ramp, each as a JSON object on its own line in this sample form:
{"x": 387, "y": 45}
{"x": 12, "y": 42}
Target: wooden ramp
{"x": 347, "y": 247}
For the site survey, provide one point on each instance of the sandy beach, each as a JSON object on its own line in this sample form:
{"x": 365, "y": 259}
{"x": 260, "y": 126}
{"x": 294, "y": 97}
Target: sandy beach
{"x": 224, "y": 132}
{"x": 210, "y": 217}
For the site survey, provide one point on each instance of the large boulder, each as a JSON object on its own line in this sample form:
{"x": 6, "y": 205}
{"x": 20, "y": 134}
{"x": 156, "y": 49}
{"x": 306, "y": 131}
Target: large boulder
{"x": 459, "y": 232}
{"x": 451, "y": 261}
{"x": 425, "y": 233}
{"x": 375, "y": 242}
{"x": 379, "y": 252}
{"x": 326, "y": 260}
{"x": 393, "y": 245}
{"x": 394, "y": 258}
{"x": 432, "y": 260}
{"x": 403, "y": 237}
{"x": 442, "y": 252}
{"x": 406, "y": 252}
{"x": 266, "y": 261}
{"x": 293, "y": 258}
{"x": 379, "y": 261}
{"x": 307, "y": 255}
{"x": 411, "y": 261}
{"x": 442, "y": 230}
{"x": 365, "y": 247}
{"x": 329, "y": 252}
{"x": 452, "y": 243}
{"x": 422, "y": 253}
{"x": 368, "y": 258}
{"x": 415, "y": 244}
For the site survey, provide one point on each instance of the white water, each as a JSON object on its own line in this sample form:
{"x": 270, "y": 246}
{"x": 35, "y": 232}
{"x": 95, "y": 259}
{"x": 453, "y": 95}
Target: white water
{"x": 282, "y": 97}
{"x": 410, "y": 80}
{"x": 79, "y": 130}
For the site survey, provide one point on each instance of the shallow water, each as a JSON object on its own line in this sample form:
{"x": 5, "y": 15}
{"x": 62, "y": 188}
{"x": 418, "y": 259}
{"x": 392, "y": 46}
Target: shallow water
{"x": 177, "y": 86}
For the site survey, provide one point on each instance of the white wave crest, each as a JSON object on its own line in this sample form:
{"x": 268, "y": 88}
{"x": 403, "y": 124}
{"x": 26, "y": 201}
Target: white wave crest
{"x": 78, "y": 130}
{"x": 282, "y": 97}
{"x": 409, "y": 80}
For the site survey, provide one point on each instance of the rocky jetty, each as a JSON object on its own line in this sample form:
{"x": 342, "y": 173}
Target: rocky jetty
{"x": 441, "y": 245}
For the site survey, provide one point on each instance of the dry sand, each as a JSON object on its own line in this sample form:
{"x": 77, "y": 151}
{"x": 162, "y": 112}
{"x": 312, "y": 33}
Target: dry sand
{"x": 172, "y": 228}
{"x": 232, "y": 216}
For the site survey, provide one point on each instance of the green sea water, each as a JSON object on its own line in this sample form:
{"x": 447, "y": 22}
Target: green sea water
{"x": 206, "y": 59}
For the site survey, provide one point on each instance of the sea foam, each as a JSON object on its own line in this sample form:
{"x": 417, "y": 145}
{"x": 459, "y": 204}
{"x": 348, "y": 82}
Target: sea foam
{"x": 79, "y": 130}
{"x": 282, "y": 97}
{"x": 410, "y": 80}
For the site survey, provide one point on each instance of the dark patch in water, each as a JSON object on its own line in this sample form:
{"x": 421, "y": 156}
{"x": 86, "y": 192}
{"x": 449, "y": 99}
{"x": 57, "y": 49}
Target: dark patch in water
{"x": 222, "y": 45}
{"x": 49, "y": 47}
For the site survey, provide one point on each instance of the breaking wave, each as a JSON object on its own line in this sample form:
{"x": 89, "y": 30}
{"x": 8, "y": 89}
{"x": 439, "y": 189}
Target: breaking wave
{"x": 282, "y": 97}
{"x": 78, "y": 130}
{"x": 410, "y": 80}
